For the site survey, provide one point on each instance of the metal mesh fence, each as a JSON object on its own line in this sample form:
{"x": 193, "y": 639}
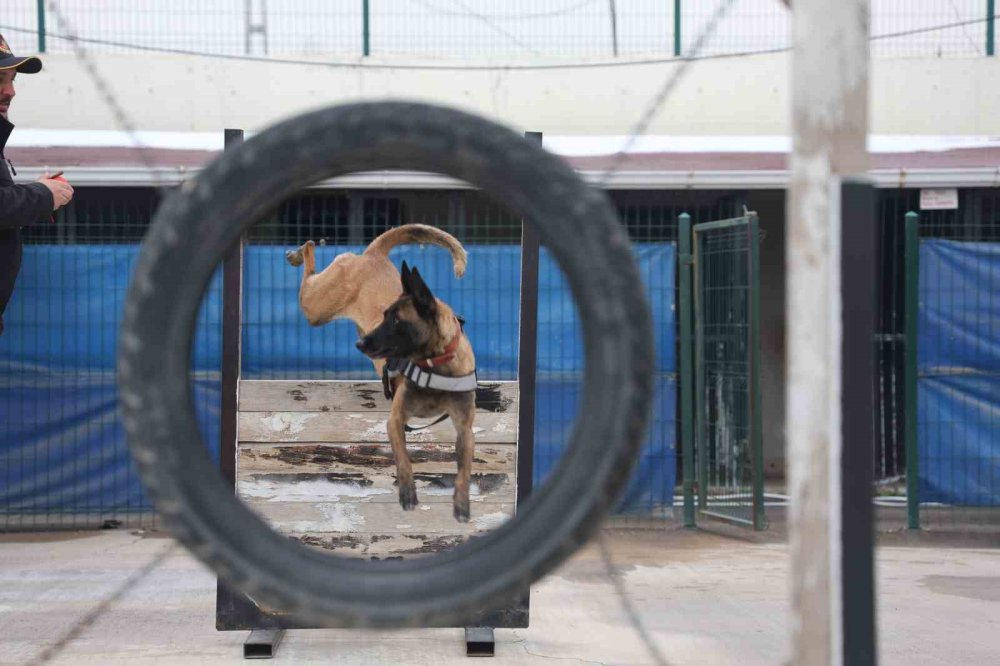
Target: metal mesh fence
{"x": 478, "y": 29}
{"x": 938, "y": 464}
{"x": 63, "y": 458}
{"x": 56, "y": 357}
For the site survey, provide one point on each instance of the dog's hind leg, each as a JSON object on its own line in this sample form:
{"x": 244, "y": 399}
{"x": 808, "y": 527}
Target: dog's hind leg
{"x": 404, "y": 470}
{"x": 465, "y": 445}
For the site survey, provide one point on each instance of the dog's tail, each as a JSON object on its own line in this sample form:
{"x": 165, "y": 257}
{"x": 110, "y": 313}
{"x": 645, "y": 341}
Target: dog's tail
{"x": 420, "y": 233}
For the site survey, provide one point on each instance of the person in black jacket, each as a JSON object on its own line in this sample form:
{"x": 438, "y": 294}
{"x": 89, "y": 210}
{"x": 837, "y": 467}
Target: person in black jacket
{"x": 20, "y": 205}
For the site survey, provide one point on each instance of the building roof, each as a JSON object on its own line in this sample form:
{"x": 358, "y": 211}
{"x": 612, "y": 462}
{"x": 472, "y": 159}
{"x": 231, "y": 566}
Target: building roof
{"x": 713, "y": 162}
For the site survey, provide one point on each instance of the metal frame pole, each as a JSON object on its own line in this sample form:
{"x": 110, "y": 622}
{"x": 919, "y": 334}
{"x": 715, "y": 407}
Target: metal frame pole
{"x": 41, "y": 26}
{"x": 829, "y": 74}
{"x": 991, "y": 12}
{"x": 700, "y": 447}
{"x": 366, "y": 28}
{"x": 614, "y": 27}
{"x": 677, "y": 28}
{"x": 859, "y": 260}
{"x": 686, "y": 370}
{"x": 911, "y": 258}
{"x": 527, "y": 356}
{"x": 753, "y": 356}
{"x": 232, "y": 334}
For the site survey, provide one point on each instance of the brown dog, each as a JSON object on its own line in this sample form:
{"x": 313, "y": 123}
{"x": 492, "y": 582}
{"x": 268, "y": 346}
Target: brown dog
{"x": 436, "y": 375}
{"x": 361, "y": 287}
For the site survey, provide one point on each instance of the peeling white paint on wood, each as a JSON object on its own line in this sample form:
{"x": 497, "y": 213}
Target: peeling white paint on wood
{"x": 336, "y": 518}
{"x": 274, "y": 395}
{"x": 491, "y": 521}
{"x": 289, "y": 490}
{"x": 345, "y": 427}
{"x": 319, "y": 458}
{"x": 286, "y": 422}
{"x": 377, "y": 485}
{"x": 428, "y": 490}
{"x": 380, "y": 518}
{"x": 380, "y": 546}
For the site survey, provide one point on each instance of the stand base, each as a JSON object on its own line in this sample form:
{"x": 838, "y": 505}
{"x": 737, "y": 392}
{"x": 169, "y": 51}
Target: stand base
{"x": 479, "y": 642}
{"x": 262, "y": 643}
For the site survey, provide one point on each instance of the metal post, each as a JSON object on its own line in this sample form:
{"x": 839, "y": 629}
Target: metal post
{"x": 262, "y": 643}
{"x": 911, "y": 258}
{"x": 479, "y": 642}
{"x": 677, "y": 28}
{"x": 859, "y": 259}
{"x": 829, "y": 68}
{"x": 700, "y": 447}
{"x": 247, "y": 23}
{"x": 686, "y": 370}
{"x": 614, "y": 27}
{"x": 527, "y": 352}
{"x": 232, "y": 327}
{"x": 41, "y": 26}
{"x": 366, "y": 28}
{"x": 753, "y": 357}
{"x": 255, "y": 27}
{"x": 991, "y": 13}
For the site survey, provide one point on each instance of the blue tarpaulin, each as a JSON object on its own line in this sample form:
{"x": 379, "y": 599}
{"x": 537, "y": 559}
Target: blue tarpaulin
{"x": 61, "y": 443}
{"x": 959, "y": 373}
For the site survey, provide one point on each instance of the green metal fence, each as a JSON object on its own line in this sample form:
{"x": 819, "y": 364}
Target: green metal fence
{"x": 906, "y": 419}
{"x": 490, "y": 29}
{"x": 727, "y": 460}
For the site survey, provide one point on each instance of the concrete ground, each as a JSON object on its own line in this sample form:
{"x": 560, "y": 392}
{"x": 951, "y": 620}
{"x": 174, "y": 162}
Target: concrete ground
{"x": 705, "y": 598}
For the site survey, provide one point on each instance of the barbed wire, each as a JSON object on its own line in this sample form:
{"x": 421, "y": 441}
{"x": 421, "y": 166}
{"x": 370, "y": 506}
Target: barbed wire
{"x": 639, "y": 129}
{"x": 976, "y": 47}
{"x": 125, "y": 123}
{"x": 492, "y": 25}
{"x": 122, "y": 117}
{"x": 524, "y": 16}
{"x": 510, "y": 66}
{"x": 95, "y": 613}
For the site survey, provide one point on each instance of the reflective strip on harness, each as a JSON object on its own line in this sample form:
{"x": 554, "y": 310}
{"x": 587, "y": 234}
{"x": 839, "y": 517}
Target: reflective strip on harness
{"x": 423, "y": 378}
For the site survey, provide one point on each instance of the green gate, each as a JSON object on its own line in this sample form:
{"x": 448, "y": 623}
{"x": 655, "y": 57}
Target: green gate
{"x": 727, "y": 458}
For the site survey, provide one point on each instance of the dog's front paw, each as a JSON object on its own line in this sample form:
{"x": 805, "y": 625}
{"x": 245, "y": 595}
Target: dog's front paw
{"x": 294, "y": 257}
{"x": 461, "y": 511}
{"x": 408, "y": 497}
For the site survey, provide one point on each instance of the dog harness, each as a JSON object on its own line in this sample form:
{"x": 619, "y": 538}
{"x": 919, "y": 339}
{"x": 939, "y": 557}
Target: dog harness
{"x": 423, "y": 377}
{"x": 420, "y": 375}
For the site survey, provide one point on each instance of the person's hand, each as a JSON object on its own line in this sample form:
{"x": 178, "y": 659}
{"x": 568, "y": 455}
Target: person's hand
{"x": 62, "y": 191}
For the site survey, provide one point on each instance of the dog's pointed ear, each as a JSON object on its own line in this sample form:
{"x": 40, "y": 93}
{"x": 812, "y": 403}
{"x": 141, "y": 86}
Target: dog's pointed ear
{"x": 423, "y": 299}
{"x": 404, "y": 276}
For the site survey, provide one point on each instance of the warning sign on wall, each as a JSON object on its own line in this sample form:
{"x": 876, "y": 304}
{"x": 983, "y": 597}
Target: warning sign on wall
{"x": 939, "y": 199}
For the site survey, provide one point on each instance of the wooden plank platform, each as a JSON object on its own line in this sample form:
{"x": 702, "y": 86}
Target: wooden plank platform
{"x": 360, "y": 428}
{"x": 350, "y": 396}
{"x": 315, "y": 462}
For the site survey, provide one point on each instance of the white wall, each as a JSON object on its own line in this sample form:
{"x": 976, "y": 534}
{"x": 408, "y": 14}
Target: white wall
{"x": 727, "y": 96}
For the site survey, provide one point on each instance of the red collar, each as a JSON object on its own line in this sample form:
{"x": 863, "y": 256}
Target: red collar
{"x": 449, "y": 351}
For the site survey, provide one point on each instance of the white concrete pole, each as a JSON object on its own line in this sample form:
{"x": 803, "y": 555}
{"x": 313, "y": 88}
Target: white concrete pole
{"x": 829, "y": 85}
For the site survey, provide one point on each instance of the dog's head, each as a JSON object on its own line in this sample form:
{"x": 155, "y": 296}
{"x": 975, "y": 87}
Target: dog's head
{"x": 409, "y": 326}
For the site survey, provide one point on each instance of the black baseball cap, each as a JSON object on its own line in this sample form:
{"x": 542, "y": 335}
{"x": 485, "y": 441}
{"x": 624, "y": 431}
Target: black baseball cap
{"x": 25, "y": 65}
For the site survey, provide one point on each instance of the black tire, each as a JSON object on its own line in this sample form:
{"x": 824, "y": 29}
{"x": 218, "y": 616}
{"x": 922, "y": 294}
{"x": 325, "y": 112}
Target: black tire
{"x": 186, "y": 242}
